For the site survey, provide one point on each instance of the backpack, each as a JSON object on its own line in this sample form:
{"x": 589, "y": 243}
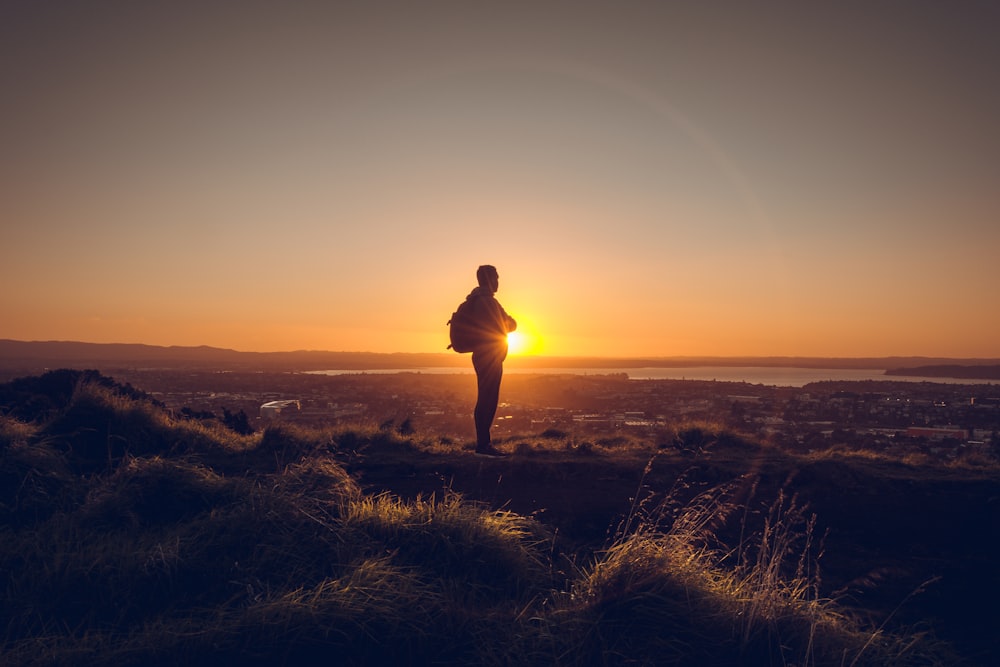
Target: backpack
{"x": 464, "y": 330}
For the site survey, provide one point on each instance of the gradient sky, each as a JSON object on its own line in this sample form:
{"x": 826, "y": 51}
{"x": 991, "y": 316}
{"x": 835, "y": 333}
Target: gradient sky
{"x": 650, "y": 178}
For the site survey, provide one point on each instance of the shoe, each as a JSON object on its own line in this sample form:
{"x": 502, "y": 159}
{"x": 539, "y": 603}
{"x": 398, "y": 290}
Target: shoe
{"x": 489, "y": 452}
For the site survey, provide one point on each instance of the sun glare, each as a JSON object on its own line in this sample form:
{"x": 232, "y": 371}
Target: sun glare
{"x": 522, "y": 342}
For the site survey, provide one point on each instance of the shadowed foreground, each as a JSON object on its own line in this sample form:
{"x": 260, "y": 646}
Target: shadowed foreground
{"x": 129, "y": 537}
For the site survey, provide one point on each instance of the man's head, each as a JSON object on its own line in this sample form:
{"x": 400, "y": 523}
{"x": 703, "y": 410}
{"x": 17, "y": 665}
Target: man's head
{"x": 488, "y": 277}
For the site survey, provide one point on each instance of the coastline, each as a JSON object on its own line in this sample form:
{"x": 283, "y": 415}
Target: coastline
{"x": 36, "y": 356}
{"x": 778, "y": 376}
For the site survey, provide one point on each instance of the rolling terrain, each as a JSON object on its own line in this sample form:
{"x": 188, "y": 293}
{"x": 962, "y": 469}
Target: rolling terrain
{"x": 134, "y": 537}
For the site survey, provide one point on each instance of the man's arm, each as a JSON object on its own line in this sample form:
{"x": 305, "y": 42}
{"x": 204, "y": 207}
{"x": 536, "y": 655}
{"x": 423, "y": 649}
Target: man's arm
{"x": 508, "y": 321}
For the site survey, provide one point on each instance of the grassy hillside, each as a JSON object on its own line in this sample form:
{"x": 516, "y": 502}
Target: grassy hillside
{"x": 130, "y": 537}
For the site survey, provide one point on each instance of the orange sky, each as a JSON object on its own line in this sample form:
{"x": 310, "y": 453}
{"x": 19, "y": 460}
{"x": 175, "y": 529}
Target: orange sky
{"x": 650, "y": 181}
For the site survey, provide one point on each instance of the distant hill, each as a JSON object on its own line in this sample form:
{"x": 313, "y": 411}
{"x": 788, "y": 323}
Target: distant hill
{"x": 35, "y": 356}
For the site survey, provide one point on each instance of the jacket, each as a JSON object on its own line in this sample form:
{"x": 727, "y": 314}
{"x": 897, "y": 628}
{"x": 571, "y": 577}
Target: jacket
{"x": 493, "y": 321}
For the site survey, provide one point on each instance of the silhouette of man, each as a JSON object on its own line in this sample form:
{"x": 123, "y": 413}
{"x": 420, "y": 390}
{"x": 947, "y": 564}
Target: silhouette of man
{"x": 488, "y": 356}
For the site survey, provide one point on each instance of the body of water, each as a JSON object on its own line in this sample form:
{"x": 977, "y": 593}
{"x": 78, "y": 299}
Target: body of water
{"x": 766, "y": 375}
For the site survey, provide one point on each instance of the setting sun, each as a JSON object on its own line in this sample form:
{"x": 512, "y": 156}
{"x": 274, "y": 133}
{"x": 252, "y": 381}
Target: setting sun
{"x": 523, "y": 343}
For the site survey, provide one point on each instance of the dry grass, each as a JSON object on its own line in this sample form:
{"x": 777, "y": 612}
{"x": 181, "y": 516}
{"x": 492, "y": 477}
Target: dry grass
{"x": 668, "y": 588}
{"x": 136, "y": 539}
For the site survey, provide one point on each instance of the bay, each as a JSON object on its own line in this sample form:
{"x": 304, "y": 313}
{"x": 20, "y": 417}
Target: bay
{"x": 777, "y": 376}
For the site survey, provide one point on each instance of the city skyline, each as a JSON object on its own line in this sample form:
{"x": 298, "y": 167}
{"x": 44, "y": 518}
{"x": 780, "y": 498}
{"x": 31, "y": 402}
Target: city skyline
{"x": 650, "y": 180}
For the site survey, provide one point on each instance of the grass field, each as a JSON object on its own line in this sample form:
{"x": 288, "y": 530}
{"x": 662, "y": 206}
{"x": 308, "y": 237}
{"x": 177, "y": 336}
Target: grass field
{"x": 131, "y": 537}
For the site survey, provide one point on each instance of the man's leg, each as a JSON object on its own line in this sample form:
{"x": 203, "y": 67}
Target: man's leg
{"x": 489, "y": 372}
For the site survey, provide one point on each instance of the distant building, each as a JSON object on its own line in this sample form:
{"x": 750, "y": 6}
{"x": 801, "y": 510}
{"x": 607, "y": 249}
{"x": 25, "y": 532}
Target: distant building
{"x": 273, "y": 409}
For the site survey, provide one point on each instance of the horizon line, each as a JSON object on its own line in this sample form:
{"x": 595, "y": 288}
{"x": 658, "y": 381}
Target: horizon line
{"x": 513, "y": 357}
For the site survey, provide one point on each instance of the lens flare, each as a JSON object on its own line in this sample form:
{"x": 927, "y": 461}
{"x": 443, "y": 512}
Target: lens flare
{"x": 523, "y": 343}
